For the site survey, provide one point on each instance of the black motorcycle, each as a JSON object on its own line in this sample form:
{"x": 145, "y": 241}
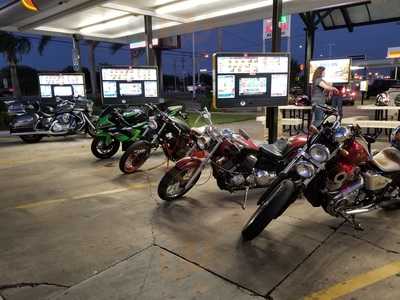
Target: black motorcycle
{"x": 33, "y": 121}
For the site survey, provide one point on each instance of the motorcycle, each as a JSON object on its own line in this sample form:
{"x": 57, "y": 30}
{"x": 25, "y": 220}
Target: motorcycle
{"x": 174, "y": 135}
{"x": 34, "y": 121}
{"x": 335, "y": 170}
{"x": 116, "y": 127}
{"x": 237, "y": 163}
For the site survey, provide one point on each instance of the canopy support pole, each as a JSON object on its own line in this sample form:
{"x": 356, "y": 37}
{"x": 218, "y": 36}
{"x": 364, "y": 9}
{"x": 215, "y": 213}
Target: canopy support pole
{"x": 311, "y": 26}
{"x": 272, "y": 112}
{"x": 76, "y": 53}
{"x": 148, "y": 35}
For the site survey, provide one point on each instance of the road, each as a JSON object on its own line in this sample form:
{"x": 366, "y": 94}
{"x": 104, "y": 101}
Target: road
{"x": 73, "y": 227}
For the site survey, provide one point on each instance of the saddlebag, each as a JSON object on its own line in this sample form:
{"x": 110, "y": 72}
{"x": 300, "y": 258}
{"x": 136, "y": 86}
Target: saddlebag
{"x": 23, "y": 123}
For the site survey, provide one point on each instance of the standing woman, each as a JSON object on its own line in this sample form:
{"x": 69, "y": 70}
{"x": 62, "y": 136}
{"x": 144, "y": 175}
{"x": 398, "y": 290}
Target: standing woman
{"x": 319, "y": 88}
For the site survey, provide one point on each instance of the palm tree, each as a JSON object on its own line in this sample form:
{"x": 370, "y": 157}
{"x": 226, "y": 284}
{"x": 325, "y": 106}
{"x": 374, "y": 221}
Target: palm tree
{"x": 13, "y": 47}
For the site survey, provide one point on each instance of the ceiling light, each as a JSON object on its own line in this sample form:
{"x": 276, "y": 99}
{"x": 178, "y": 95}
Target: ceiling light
{"x": 183, "y": 5}
{"x": 108, "y": 25}
{"x": 141, "y": 29}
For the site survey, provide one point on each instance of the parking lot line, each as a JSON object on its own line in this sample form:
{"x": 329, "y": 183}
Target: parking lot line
{"x": 85, "y": 196}
{"x": 358, "y": 282}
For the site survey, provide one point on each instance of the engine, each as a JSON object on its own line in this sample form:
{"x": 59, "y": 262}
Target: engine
{"x": 63, "y": 123}
{"x": 238, "y": 175}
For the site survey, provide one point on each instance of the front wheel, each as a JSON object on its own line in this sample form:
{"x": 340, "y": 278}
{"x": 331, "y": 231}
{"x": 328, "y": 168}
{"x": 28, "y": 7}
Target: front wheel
{"x": 272, "y": 206}
{"x": 101, "y": 150}
{"x": 173, "y": 185}
{"x": 134, "y": 157}
{"x": 31, "y": 139}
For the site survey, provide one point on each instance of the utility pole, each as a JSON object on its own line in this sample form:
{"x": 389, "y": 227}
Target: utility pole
{"x": 194, "y": 67}
{"x": 175, "y": 74}
{"x": 330, "y": 47}
{"x": 220, "y": 46}
{"x": 183, "y": 73}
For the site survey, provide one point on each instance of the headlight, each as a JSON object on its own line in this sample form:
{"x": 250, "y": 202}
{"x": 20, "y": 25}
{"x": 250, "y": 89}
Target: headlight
{"x": 305, "y": 169}
{"x": 319, "y": 153}
{"x": 202, "y": 143}
{"x": 153, "y": 124}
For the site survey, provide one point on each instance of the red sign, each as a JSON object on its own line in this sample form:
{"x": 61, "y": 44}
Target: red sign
{"x": 284, "y": 25}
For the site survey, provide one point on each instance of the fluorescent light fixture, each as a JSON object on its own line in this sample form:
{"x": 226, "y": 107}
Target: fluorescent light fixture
{"x": 108, "y": 25}
{"x": 53, "y": 29}
{"x": 141, "y": 29}
{"x": 142, "y": 44}
{"x": 183, "y": 5}
{"x": 233, "y": 10}
{"x": 353, "y": 68}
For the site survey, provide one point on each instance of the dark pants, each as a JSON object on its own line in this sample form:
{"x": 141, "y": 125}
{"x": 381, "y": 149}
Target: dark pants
{"x": 337, "y": 102}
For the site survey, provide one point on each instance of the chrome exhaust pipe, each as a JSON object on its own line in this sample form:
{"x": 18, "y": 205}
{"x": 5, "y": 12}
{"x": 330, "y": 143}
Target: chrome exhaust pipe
{"x": 350, "y": 189}
{"x": 361, "y": 210}
{"x": 38, "y": 133}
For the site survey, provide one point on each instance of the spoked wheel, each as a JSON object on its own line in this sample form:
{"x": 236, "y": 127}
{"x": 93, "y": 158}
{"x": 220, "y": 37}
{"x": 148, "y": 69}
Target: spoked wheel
{"x": 101, "y": 150}
{"x": 134, "y": 157}
{"x": 173, "y": 185}
{"x": 31, "y": 139}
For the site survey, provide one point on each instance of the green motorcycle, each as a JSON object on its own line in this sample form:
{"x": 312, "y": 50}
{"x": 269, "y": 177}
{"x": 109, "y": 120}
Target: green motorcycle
{"x": 115, "y": 128}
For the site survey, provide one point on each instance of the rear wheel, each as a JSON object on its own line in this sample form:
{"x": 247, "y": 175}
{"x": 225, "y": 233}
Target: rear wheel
{"x": 31, "y": 139}
{"x": 273, "y": 205}
{"x": 101, "y": 150}
{"x": 134, "y": 157}
{"x": 173, "y": 184}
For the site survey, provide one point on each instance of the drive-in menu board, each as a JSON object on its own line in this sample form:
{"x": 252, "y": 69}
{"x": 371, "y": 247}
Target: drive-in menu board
{"x": 336, "y": 70}
{"x": 62, "y": 85}
{"x": 129, "y": 85}
{"x": 251, "y": 79}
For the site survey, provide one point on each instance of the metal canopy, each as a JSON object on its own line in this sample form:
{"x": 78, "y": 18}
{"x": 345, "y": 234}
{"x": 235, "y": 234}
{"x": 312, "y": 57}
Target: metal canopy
{"x": 366, "y": 13}
{"x": 122, "y": 20}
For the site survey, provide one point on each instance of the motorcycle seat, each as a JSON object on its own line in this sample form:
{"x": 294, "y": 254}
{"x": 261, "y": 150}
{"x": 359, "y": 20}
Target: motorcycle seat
{"x": 276, "y": 150}
{"x": 388, "y": 160}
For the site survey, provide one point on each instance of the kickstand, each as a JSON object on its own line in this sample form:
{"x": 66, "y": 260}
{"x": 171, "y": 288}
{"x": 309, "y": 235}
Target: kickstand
{"x": 167, "y": 163}
{"x": 357, "y": 226}
{"x": 245, "y": 198}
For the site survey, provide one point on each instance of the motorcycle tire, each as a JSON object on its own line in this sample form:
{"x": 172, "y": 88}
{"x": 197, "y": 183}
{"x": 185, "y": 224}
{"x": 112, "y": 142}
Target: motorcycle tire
{"x": 31, "y": 139}
{"x": 272, "y": 206}
{"x": 134, "y": 157}
{"x": 165, "y": 184}
{"x": 104, "y": 153}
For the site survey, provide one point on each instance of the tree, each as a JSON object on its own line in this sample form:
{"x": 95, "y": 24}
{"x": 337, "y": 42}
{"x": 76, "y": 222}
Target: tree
{"x": 13, "y": 47}
{"x": 27, "y": 77}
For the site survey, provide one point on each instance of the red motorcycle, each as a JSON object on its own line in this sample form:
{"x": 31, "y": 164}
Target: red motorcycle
{"x": 336, "y": 171}
{"x": 237, "y": 163}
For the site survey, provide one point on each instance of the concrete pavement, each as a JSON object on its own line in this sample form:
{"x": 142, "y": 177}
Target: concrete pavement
{"x": 73, "y": 227}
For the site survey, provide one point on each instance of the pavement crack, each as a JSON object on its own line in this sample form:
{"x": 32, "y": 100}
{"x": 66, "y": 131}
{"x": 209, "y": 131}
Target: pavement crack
{"x": 238, "y": 285}
{"x": 369, "y": 242}
{"x": 30, "y": 284}
{"x": 146, "y": 276}
{"x": 335, "y": 230}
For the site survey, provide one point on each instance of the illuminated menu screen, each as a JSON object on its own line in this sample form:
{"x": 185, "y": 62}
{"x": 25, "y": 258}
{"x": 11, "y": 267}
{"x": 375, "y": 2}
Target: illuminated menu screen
{"x": 251, "y": 79}
{"x": 336, "y": 70}
{"x": 133, "y": 85}
{"x": 62, "y": 85}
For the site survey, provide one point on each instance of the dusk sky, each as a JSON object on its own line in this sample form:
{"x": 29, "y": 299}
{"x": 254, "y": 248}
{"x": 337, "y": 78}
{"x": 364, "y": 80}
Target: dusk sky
{"x": 371, "y": 40}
